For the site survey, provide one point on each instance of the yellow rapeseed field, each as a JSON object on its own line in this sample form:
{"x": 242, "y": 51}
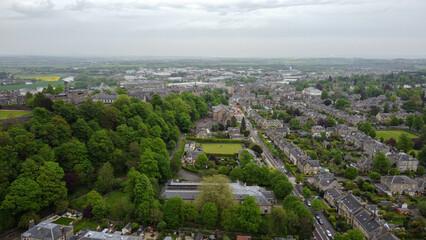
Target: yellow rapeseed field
{"x": 42, "y": 78}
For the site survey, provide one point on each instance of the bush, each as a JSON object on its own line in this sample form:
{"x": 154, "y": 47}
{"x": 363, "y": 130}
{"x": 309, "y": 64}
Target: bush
{"x": 161, "y": 225}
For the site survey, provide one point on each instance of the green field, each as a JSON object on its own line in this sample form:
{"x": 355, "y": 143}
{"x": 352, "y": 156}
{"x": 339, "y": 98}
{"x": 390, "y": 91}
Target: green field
{"x": 86, "y": 224}
{"x": 64, "y": 221}
{"x": 31, "y": 86}
{"x": 224, "y": 148}
{"x": 11, "y": 113}
{"x": 114, "y": 197}
{"x": 394, "y": 133}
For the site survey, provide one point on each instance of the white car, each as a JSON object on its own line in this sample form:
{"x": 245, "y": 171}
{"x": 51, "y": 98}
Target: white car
{"x": 329, "y": 234}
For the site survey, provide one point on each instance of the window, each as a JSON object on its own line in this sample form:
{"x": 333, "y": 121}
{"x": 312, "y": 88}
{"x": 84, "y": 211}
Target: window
{"x": 266, "y": 210}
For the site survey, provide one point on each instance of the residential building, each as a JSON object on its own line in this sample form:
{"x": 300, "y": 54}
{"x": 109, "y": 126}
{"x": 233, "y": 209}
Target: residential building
{"x": 348, "y": 207}
{"x": 47, "y": 231}
{"x": 399, "y": 184}
{"x": 332, "y": 196}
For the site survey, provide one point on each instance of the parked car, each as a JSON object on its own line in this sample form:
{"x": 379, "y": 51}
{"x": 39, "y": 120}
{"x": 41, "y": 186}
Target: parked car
{"x": 320, "y": 221}
{"x": 308, "y": 203}
{"x": 329, "y": 234}
{"x": 317, "y": 216}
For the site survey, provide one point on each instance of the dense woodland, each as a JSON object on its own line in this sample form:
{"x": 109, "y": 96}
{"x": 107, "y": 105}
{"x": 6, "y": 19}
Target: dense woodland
{"x": 56, "y": 153}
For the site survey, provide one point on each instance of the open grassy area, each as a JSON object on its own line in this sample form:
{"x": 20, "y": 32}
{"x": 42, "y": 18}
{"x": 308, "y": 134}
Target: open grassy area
{"x": 394, "y": 133}
{"x": 11, "y": 113}
{"x": 86, "y": 224}
{"x": 114, "y": 197}
{"x": 43, "y": 84}
{"x": 64, "y": 221}
{"x": 225, "y": 148}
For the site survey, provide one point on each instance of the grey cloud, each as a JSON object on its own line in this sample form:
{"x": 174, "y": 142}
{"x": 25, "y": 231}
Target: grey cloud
{"x": 39, "y": 8}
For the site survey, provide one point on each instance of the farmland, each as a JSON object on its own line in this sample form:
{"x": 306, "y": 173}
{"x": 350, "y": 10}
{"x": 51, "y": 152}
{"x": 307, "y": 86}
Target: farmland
{"x": 40, "y": 77}
{"x": 223, "y": 148}
{"x": 11, "y": 114}
{"x": 394, "y": 133}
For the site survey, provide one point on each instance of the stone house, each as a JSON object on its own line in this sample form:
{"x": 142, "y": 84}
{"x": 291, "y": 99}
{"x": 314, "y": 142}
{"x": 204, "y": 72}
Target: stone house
{"x": 368, "y": 223}
{"x": 191, "y": 156}
{"x": 47, "y": 230}
{"x": 403, "y": 161}
{"x": 325, "y": 181}
{"x": 399, "y": 184}
{"x": 317, "y": 130}
{"x": 349, "y": 206}
{"x": 308, "y": 166}
{"x": 332, "y": 196}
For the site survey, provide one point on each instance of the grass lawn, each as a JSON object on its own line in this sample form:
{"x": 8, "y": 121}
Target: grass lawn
{"x": 394, "y": 133}
{"x": 32, "y": 86}
{"x": 114, "y": 197}
{"x": 12, "y": 113}
{"x": 64, "y": 221}
{"x": 86, "y": 224}
{"x": 225, "y": 148}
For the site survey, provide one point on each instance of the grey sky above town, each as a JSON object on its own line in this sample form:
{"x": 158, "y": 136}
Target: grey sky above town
{"x": 214, "y": 28}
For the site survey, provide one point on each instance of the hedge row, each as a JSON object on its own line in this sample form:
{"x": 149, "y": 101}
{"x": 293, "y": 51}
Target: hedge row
{"x": 214, "y": 140}
{"x": 233, "y": 155}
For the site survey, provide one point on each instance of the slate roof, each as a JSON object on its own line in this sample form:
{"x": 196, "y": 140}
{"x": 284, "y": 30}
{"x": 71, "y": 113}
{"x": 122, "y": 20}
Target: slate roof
{"x": 101, "y": 96}
{"x": 334, "y": 193}
{"x": 367, "y": 220}
{"x": 46, "y": 230}
{"x": 351, "y": 202}
{"x": 388, "y": 236}
{"x": 398, "y": 180}
{"x": 189, "y": 191}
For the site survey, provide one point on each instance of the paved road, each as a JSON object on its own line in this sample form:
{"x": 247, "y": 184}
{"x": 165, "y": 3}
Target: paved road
{"x": 319, "y": 231}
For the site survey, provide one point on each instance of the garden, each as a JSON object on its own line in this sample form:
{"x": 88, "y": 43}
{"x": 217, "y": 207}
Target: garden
{"x": 221, "y": 148}
{"x": 11, "y": 113}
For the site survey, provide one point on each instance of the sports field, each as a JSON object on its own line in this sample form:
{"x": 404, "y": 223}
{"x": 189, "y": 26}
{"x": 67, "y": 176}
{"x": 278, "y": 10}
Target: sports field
{"x": 394, "y": 133}
{"x": 224, "y": 148}
{"x": 11, "y": 113}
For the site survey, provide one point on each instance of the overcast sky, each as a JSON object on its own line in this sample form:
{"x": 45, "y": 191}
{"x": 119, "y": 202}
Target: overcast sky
{"x": 214, "y": 28}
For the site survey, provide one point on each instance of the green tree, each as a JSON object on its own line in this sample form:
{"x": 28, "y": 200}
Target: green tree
{"x": 229, "y": 218}
{"x": 249, "y": 215}
{"x": 70, "y": 154}
{"x": 342, "y": 103}
{"x": 190, "y": 211}
{"x": 381, "y": 163}
{"x": 375, "y": 176}
{"x": 209, "y": 214}
{"x": 243, "y": 125}
{"x": 282, "y": 188}
{"x": 418, "y": 123}
{"x": 50, "y": 181}
{"x": 105, "y": 178}
{"x": 173, "y": 212}
{"x": 148, "y": 165}
{"x": 23, "y": 195}
{"x": 409, "y": 120}
{"x": 306, "y": 192}
{"x": 421, "y": 171}
{"x": 109, "y": 119}
{"x": 324, "y": 94}
{"x": 405, "y": 143}
{"x": 351, "y": 173}
{"x": 294, "y": 123}
{"x": 156, "y": 100}
{"x": 354, "y": 235}
{"x": 100, "y": 148}
{"x": 317, "y": 204}
{"x": 251, "y": 173}
{"x": 202, "y": 160}
{"x": 215, "y": 189}
{"x": 237, "y": 174}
